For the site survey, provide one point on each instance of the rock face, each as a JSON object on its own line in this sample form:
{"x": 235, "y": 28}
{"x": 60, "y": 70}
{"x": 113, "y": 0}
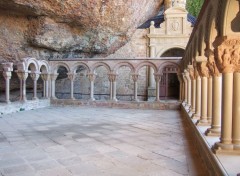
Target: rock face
{"x": 69, "y": 28}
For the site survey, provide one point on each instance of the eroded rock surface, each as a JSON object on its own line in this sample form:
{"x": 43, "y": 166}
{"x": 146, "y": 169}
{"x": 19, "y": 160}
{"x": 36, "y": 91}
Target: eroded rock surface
{"x": 69, "y": 28}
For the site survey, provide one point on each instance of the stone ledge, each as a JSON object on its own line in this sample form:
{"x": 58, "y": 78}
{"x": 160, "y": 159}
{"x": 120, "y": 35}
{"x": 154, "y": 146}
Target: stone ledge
{"x": 23, "y": 106}
{"x": 214, "y": 162}
{"x": 171, "y": 105}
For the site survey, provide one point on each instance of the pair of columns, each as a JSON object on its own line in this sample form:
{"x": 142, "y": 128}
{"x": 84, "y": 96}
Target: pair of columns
{"x": 35, "y": 76}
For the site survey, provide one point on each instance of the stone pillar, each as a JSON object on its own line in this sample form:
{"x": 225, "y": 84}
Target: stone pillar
{"x": 189, "y": 88}
{"x": 35, "y": 77}
{"x": 197, "y": 113}
{"x": 209, "y": 100}
{"x": 193, "y": 88}
{"x": 181, "y": 88}
{"x": 7, "y": 76}
{"x": 53, "y": 79}
{"x": 135, "y": 79}
{"x": 215, "y": 129}
{"x": 157, "y": 79}
{"x": 151, "y": 79}
{"x": 113, "y": 86}
{"x": 204, "y": 73}
{"x": 92, "y": 77}
{"x": 23, "y": 77}
{"x": 185, "y": 89}
{"x": 71, "y": 77}
{"x": 45, "y": 77}
{"x": 236, "y": 112}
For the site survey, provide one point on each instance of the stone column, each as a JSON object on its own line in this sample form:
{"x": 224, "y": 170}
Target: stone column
{"x": 236, "y": 112}
{"x": 7, "y": 76}
{"x": 92, "y": 77}
{"x": 209, "y": 100}
{"x": 151, "y": 79}
{"x": 71, "y": 77}
{"x": 157, "y": 80}
{"x": 135, "y": 79}
{"x": 204, "y": 73}
{"x": 197, "y": 113}
{"x": 53, "y": 79}
{"x": 45, "y": 77}
{"x": 114, "y": 79}
{"x": 185, "y": 89}
{"x": 181, "y": 88}
{"x": 35, "y": 77}
{"x": 23, "y": 77}
{"x": 189, "y": 88}
{"x": 193, "y": 91}
{"x": 215, "y": 129}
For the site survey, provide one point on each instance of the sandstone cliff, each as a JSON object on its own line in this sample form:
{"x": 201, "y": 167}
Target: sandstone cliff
{"x": 69, "y": 28}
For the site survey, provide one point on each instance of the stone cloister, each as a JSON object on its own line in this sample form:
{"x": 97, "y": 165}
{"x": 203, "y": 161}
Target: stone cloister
{"x": 208, "y": 76}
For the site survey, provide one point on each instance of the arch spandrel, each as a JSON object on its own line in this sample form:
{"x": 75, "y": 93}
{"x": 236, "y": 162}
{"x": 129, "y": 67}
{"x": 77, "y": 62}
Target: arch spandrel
{"x": 99, "y": 64}
{"x": 122, "y": 64}
{"x": 60, "y": 64}
{"x": 146, "y": 63}
{"x": 78, "y": 64}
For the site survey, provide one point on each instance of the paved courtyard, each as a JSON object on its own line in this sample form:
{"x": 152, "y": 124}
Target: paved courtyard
{"x": 73, "y": 141}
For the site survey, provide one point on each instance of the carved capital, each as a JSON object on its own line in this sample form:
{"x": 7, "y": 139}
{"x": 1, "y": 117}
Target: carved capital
{"x": 191, "y": 73}
{"x": 7, "y": 75}
{"x": 112, "y": 77}
{"x": 54, "y": 76}
{"x": 227, "y": 54}
{"x": 135, "y": 77}
{"x": 211, "y": 64}
{"x": 157, "y": 77}
{"x": 34, "y": 76}
{"x": 91, "y": 76}
{"x": 45, "y": 76}
{"x": 22, "y": 75}
{"x": 203, "y": 69}
{"x": 71, "y": 76}
{"x": 7, "y": 67}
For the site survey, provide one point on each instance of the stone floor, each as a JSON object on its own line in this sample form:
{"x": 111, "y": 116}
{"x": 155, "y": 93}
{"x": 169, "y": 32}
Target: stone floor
{"x": 96, "y": 142}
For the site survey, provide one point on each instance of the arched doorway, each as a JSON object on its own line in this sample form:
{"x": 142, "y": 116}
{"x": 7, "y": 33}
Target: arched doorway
{"x": 169, "y": 85}
{"x": 173, "y": 52}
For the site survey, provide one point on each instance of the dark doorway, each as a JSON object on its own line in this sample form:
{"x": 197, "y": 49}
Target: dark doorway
{"x": 169, "y": 85}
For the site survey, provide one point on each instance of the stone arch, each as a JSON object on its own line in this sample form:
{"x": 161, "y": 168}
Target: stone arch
{"x": 121, "y": 64}
{"x": 44, "y": 66}
{"x": 162, "y": 51}
{"x": 59, "y": 64}
{"x": 100, "y": 64}
{"x": 146, "y": 63}
{"x": 167, "y": 63}
{"x": 78, "y": 64}
{"x": 231, "y": 19}
{"x": 31, "y": 63}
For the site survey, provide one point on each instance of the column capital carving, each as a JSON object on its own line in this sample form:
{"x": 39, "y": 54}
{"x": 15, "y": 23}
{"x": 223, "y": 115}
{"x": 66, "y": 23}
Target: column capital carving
{"x": 71, "y": 76}
{"x": 7, "y": 67}
{"x": 227, "y": 54}
{"x": 203, "y": 69}
{"x": 22, "y": 75}
{"x": 135, "y": 77}
{"x": 180, "y": 77}
{"x": 54, "y": 76}
{"x": 112, "y": 77}
{"x": 35, "y": 75}
{"x": 157, "y": 77}
{"x": 91, "y": 76}
{"x": 45, "y": 76}
{"x": 7, "y": 75}
{"x": 191, "y": 72}
{"x": 211, "y": 64}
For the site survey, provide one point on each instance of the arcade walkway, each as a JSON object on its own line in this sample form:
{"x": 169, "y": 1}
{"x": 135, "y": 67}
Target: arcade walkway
{"x": 96, "y": 142}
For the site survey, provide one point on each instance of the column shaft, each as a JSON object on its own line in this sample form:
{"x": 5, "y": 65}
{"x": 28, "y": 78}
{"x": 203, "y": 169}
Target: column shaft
{"x": 35, "y": 89}
{"x": 198, "y": 98}
{"x": 72, "y": 87}
{"x": 114, "y": 91}
{"x": 111, "y": 90}
{"x": 236, "y": 112}
{"x": 92, "y": 90}
{"x": 193, "y": 107}
{"x": 209, "y": 100}
{"x": 215, "y": 129}
{"x": 135, "y": 91}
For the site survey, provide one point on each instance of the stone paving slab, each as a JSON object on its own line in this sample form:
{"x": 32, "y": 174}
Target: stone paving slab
{"x": 84, "y": 141}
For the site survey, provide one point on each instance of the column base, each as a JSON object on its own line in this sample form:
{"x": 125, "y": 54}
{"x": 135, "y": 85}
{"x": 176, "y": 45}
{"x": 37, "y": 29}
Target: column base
{"x": 8, "y": 102}
{"x": 34, "y": 98}
{"x": 54, "y": 98}
{"x": 236, "y": 147}
{"x": 115, "y": 99}
{"x": 202, "y": 123}
{"x": 213, "y": 132}
{"x": 196, "y": 116}
{"x": 222, "y": 148}
{"x": 72, "y": 98}
{"x": 92, "y": 99}
{"x": 136, "y": 100}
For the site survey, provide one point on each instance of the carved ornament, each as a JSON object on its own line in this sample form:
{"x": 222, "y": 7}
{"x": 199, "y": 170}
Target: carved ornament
{"x": 203, "y": 69}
